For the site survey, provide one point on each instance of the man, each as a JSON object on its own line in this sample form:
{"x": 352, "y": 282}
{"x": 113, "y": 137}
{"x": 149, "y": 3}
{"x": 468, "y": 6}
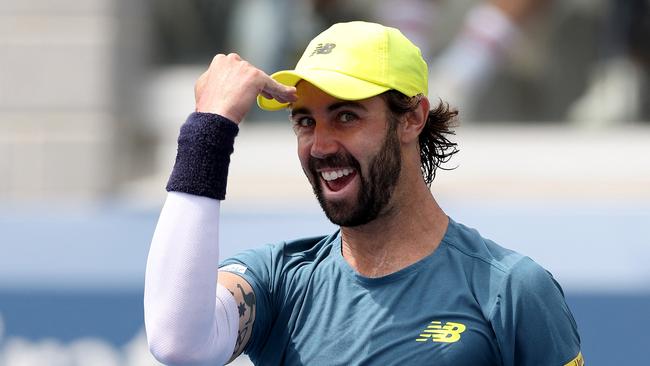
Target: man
{"x": 400, "y": 283}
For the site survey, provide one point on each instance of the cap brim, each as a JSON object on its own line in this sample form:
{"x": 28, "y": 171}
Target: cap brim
{"x": 338, "y": 85}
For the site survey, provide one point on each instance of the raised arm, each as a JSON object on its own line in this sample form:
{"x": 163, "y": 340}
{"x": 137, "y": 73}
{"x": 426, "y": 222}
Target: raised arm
{"x": 190, "y": 320}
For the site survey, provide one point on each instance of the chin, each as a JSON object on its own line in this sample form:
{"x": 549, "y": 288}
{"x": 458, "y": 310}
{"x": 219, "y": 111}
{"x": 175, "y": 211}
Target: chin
{"x": 346, "y": 214}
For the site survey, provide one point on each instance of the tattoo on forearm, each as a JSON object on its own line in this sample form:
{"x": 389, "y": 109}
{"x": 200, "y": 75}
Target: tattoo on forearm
{"x": 247, "y": 312}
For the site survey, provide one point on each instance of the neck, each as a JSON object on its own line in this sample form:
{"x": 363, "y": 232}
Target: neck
{"x": 408, "y": 231}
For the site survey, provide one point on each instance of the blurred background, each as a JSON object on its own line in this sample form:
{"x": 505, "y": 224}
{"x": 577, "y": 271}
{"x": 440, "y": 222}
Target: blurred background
{"x": 554, "y": 162}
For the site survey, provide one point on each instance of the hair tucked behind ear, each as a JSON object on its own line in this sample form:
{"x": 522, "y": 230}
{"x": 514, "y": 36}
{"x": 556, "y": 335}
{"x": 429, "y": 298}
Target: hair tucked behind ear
{"x": 435, "y": 147}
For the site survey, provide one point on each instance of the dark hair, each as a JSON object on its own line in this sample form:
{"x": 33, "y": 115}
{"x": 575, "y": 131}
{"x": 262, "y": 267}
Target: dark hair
{"x": 435, "y": 148}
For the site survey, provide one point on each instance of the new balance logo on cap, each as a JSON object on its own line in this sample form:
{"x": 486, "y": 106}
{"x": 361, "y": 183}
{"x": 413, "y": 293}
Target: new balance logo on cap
{"x": 437, "y": 332}
{"x": 322, "y": 49}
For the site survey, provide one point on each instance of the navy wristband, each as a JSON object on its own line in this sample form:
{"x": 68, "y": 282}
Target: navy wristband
{"x": 205, "y": 143}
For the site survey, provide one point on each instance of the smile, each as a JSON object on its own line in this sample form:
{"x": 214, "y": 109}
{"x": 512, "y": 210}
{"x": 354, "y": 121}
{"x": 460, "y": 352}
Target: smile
{"x": 331, "y": 175}
{"x": 335, "y": 180}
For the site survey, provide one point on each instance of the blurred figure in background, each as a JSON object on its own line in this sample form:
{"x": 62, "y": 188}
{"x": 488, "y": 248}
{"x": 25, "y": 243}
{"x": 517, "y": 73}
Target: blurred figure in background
{"x": 483, "y": 55}
{"x": 618, "y": 89}
{"x": 464, "y": 70}
{"x": 498, "y": 60}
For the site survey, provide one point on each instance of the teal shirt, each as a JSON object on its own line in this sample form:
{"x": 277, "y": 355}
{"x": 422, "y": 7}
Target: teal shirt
{"x": 471, "y": 302}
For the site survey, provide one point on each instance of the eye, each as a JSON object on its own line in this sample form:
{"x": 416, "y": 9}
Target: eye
{"x": 303, "y": 122}
{"x": 347, "y": 117}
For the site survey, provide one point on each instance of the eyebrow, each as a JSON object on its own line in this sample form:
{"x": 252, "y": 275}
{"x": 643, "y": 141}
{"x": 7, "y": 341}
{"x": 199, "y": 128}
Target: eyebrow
{"x": 346, "y": 103}
{"x": 332, "y": 107}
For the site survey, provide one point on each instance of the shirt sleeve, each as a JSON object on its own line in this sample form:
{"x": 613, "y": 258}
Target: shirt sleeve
{"x": 531, "y": 319}
{"x": 261, "y": 268}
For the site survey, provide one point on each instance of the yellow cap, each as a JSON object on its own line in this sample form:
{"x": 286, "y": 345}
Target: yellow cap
{"x": 357, "y": 60}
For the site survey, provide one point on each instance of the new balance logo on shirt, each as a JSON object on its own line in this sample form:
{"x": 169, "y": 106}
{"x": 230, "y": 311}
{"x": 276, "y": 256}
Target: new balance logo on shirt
{"x": 448, "y": 332}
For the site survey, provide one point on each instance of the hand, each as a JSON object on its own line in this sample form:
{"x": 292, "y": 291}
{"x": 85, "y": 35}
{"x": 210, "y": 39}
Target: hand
{"x": 230, "y": 87}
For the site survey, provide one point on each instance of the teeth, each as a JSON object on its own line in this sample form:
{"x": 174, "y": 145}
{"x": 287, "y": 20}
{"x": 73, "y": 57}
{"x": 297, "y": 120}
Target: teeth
{"x": 335, "y": 174}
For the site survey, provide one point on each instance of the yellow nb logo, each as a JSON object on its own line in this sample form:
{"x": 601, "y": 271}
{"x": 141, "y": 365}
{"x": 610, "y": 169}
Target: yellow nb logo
{"x": 437, "y": 332}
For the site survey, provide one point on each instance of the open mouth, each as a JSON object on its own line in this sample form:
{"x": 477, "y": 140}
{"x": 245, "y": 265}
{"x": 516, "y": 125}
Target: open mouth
{"x": 337, "y": 179}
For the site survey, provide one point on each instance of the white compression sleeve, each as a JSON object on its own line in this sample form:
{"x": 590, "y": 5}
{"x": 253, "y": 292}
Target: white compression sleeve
{"x": 189, "y": 319}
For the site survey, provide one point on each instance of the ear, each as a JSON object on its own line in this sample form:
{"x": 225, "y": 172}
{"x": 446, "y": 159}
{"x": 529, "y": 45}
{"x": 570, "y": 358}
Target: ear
{"x": 413, "y": 122}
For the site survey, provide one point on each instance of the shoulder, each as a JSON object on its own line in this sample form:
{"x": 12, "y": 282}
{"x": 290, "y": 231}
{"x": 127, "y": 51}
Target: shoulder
{"x": 496, "y": 273}
{"x": 268, "y": 262}
{"x": 468, "y": 244}
{"x": 531, "y": 319}
{"x": 522, "y": 301}
{"x": 307, "y": 247}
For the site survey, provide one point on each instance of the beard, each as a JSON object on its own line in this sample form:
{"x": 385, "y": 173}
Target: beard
{"x": 376, "y": 190}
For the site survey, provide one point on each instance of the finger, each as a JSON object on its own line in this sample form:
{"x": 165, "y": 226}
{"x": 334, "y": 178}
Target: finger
{"x": 266, "y": 95}
{"x": 276, "y": 97}
{"x": 216, "y": 60}
{"x": 235, "y": 56}
{"x": 284, "y": 99}
{"x": 280, "y": 99}
{"x": 277, "y": 90}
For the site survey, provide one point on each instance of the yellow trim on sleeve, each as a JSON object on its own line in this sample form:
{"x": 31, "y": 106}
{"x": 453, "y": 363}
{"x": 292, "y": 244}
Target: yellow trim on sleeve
{"x": 578, "y": 361}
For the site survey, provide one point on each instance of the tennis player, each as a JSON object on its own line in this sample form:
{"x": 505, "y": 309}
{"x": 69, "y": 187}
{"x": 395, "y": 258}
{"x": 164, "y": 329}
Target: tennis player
{"x": 400, "y": 283}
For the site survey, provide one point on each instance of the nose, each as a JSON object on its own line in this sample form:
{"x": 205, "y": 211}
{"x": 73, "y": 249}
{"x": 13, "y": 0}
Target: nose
{"x": 323, "y": 141}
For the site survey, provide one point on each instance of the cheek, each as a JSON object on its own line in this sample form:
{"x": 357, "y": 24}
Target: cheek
{"x": 368, "y": 153}
{"x": 304, "y": 151}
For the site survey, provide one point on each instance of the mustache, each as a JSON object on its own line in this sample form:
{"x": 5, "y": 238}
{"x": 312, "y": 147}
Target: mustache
{"x": 333, "y": 161}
